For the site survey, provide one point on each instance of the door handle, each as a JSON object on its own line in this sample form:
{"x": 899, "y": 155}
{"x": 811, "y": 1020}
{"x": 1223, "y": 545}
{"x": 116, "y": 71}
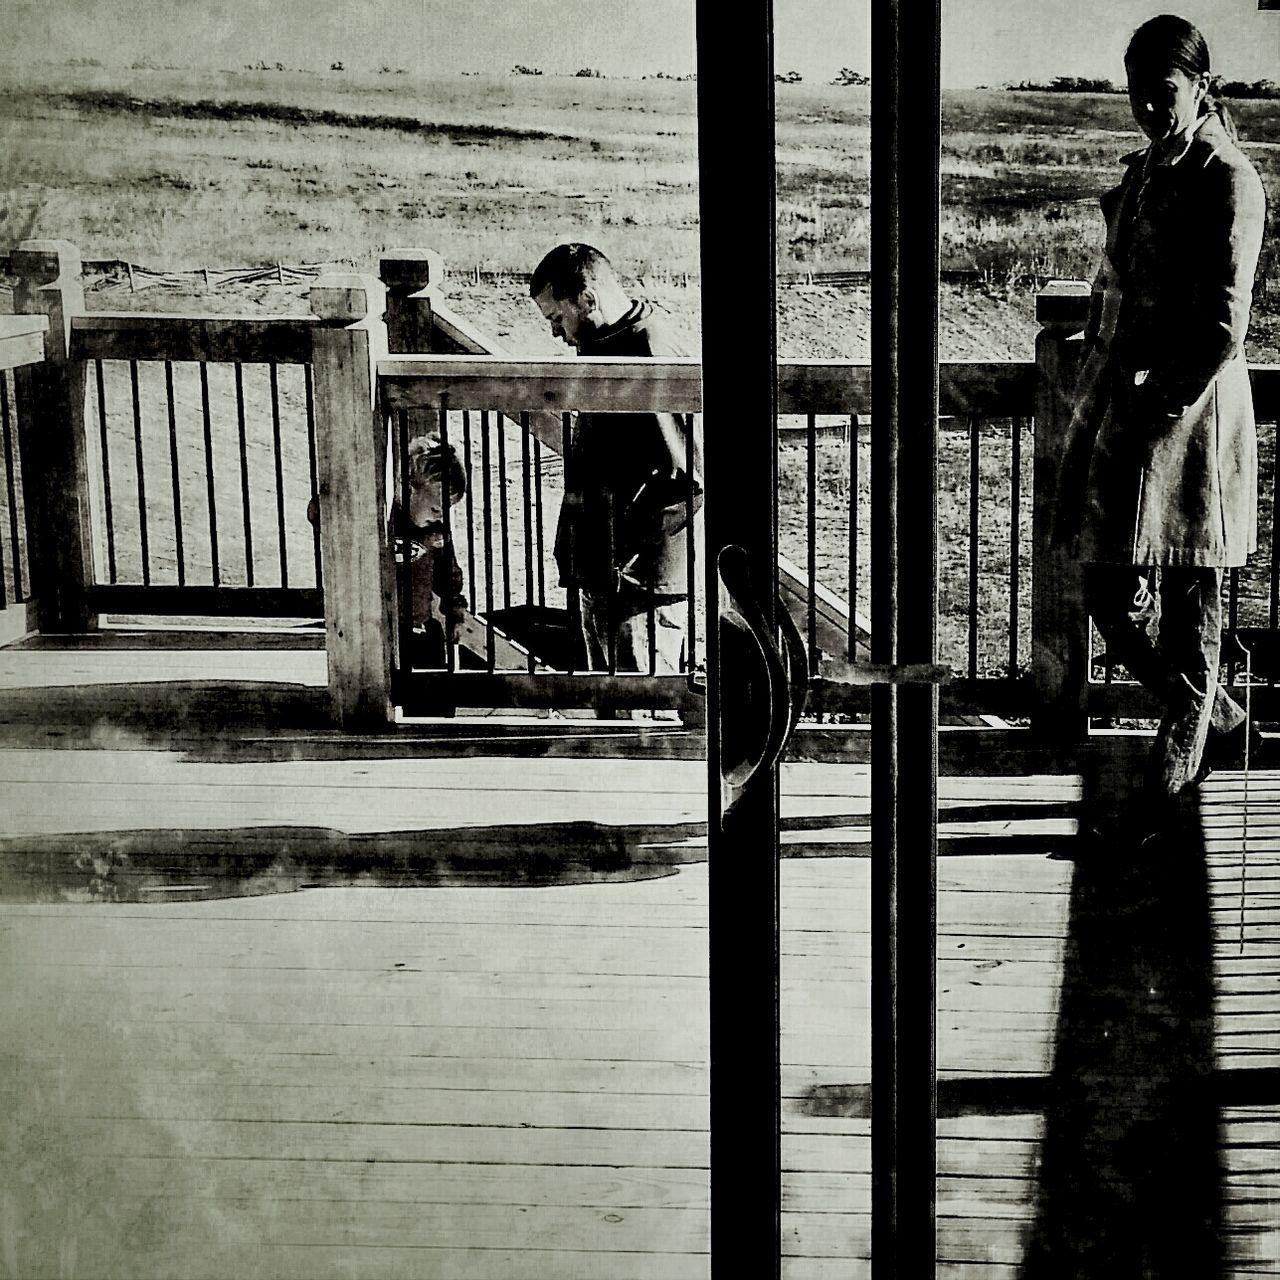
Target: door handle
{"x": 762, "y": 692}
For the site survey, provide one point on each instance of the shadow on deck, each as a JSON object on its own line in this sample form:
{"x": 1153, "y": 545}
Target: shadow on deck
{"x": 341, "y": 1073}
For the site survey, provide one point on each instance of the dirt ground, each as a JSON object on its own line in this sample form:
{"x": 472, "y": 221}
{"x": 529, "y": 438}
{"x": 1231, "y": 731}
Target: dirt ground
{"x": 815, "y": 322}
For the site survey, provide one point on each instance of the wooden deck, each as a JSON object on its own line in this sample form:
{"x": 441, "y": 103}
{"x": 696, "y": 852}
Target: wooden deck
{"x": 312, "y": 1013}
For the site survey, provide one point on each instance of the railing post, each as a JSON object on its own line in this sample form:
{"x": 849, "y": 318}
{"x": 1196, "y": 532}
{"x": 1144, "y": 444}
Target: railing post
{"x": 1059, "y": 625}
{"x": 55, "y": 473}
{"x": 412, "y": 278}
{"x": 351, "y": 448}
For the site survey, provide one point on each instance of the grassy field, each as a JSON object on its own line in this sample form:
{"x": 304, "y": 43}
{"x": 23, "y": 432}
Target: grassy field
{"x": 181, "y": 169}
{"x": 178, "y": 171}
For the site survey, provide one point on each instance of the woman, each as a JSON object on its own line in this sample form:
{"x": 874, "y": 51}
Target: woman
{"x": 1164, "y": 415}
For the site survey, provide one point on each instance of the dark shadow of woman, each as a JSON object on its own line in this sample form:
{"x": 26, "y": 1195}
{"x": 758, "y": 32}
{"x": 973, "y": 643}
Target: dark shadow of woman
{"x": 1130, "y": 1180}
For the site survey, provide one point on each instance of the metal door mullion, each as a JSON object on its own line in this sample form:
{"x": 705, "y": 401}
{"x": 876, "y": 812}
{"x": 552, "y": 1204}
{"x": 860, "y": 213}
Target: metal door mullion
{"x": 735, "y": 118}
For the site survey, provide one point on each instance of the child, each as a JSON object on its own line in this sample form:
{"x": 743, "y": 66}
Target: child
{"x": 432, "y": 569}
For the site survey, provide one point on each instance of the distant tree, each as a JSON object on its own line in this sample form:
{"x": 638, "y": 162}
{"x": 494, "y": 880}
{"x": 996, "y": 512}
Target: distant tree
{"x": 790, "y": 77}
{"x": 848, "y": 76}
{"x": 588, "y": 73}
{"x": 521, "y": 70}
{"x": 1245, "y": 89}
{"x": 336, "y": 66}
{"x": 1065, "y": 84}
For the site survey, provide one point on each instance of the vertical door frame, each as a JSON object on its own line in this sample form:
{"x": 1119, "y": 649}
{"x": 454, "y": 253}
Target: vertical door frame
{"x": 739, "y": 362}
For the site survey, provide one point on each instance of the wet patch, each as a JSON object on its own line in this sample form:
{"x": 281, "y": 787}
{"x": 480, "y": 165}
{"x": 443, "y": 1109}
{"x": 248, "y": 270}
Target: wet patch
{"x": 188, "y": 864}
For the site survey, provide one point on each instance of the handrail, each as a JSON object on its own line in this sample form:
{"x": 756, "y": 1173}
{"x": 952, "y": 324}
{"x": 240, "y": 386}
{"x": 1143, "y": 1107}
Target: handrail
{"x": 968, "y": 388}
{"x": 22, "y": 340}
{"x": 105, "y": 335}
{"x": 591, "y": 384}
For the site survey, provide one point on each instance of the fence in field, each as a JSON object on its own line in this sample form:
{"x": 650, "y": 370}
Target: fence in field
{"x": 163, "y": 466}
{"x": 117, "y": 275}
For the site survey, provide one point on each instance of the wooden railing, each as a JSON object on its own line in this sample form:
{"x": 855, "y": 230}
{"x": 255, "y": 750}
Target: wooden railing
{"x": 23, "y": 340}
{"x": 162, "y": 465}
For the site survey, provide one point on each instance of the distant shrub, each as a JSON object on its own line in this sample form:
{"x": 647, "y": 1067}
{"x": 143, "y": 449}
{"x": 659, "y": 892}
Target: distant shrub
{"x": 395, "y": 71}
{"x": 589, "y": 73}
{"x": 848, "y": 76}
{"x": 1244, "y": 89}
{"x": 1066, "y": 84}
{"x": 337, "y": 66}
{"x": 83, "y": 62}
{"x": 789, "y": 77}
{"x": 521, "y": 70}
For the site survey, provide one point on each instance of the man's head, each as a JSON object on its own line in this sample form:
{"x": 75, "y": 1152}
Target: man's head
{"x": 577, "y": 292}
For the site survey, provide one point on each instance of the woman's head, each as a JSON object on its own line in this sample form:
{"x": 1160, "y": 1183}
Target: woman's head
{"x": 1167, "y": 64}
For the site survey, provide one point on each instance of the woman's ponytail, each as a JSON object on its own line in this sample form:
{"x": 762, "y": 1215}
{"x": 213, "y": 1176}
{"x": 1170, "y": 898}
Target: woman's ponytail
{"x": 1211, "y": 104}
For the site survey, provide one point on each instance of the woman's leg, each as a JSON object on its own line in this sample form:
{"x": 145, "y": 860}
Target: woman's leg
{"x": 1122, "y": 605}
{"x": 1191, "y": 640}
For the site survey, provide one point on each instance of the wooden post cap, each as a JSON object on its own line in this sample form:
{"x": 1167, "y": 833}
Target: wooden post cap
{"x": 1063, "y": 302}
{"x": 411, "y": 269}
{"x": 348, "y": 298}
{"x": 43, "y": 261}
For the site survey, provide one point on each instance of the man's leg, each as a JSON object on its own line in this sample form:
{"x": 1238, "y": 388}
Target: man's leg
{"x": 602, "y": 633}
{"x": 669, "y": 624}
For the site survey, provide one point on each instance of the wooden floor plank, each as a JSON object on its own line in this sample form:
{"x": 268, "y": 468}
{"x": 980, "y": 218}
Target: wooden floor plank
{"x": 511, "y": 1082}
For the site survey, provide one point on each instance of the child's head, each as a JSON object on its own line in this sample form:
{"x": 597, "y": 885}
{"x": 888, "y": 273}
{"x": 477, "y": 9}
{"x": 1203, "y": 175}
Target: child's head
{"x": 428, "y": 460}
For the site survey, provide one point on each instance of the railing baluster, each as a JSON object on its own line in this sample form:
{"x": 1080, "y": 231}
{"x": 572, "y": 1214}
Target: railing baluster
{"x": 853, "y": 536}
{"x": 651, "y": 621}
{"x": 143, "y": 539}
{"x": 690, "y": 545}
{"x": 450, "y": 558}
{"x": 537, "y": 497}
{"x": 1233, "y": 618}
{"x": 404, "y": 547}
{"x": 11, "y": 487}
{"x": 1108, "y": 673}
{"x": 611, "y": 600}
{"x": 1015, "y": 539}
{"x": 1275, "y": 547}
{"x": 279, "y": 452}
{"x": 4, "y": 577}
{"x": 504, "y": 519}
{"x": 312, "y": 461}
{"x": 171, "y": 414}
{"x": 244, "y": 475}
{"x": 490, "y": 658}
{"x": 106, "y": 473}
{"x": 1108, "y": 678}
{"x": 471, "y": 522}
{"x": 1275, "y": 531}
{"x": 811, "y": 533}
{"x": 575, "y": 598}
{"x": 208, "y": 465}
{"x": 974, "y": 476}
{"x": 528, "y": 522}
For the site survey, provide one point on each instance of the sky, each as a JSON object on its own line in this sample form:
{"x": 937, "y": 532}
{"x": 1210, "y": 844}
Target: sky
{"x": 984, "y": 41}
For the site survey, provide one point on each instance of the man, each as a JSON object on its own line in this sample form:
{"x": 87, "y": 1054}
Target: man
{"x": 629, "y": 485}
